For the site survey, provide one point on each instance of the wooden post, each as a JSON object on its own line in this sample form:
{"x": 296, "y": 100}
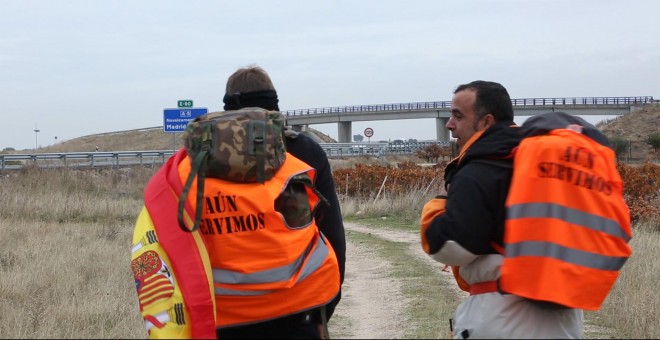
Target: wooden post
{"x": 429, "y": 186}
{"x": 381, "y": 188}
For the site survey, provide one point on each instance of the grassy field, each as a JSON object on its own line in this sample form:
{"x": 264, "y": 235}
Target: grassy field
{"x": 632, "y": 308}
{"x": 65, "y": 254}
{"x": 65, "y": 240}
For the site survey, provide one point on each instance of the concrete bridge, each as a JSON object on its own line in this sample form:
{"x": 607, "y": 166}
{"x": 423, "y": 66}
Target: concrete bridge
{"x": 345, "y": 115}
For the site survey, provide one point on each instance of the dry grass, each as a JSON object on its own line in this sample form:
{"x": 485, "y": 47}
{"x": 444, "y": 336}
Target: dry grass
{"x": 68, "y": 280}
{"x": 633, "y": 306}
{"x": 387, "y": 160}
{"x": 65, "y": 256}
{"x": 401, "y": 206}
{"x": 631, "y": 310}
{"x": 65, "y": 253}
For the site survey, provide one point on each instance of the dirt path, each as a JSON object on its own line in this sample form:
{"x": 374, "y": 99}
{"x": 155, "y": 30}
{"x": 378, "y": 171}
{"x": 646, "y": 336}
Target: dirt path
{"x": 370, "y": 299}
{"x": 372, "y": 305}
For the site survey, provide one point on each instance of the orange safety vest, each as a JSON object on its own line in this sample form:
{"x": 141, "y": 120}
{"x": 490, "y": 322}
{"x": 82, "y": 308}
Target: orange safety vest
{"x": 568, "y": 226}
{"x": 262, "y": 268}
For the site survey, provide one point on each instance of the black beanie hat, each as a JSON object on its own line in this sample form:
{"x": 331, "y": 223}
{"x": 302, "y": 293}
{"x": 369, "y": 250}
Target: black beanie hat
{"x": 266, "y": 99}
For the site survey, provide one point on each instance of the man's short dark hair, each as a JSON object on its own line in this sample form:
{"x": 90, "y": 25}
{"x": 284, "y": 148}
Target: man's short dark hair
{"x": 250, "y": 87}
{"x": 491, "y": 97}
{"x": 247, "y": 79}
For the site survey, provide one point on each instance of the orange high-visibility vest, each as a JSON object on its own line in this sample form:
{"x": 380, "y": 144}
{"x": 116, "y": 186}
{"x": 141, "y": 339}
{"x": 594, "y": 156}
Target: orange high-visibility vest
{"x": 261, "y": 267}
{"x": 568, "y": 226}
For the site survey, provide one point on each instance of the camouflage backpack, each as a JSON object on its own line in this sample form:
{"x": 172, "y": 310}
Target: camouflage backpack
{"x": 245, "y": 146}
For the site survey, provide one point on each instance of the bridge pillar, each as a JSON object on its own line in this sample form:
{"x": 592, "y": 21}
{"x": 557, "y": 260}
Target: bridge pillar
{"x": 441, "y": 131}
{"x": 298, "y": 128}
{"x": 344, "y": 132}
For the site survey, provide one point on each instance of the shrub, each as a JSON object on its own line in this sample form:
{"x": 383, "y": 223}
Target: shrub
{"x": 619, "y": 145}
{"x": 433, "y": 152}
{"x": 641, "y": 190}
{"x": 654, "y": 141}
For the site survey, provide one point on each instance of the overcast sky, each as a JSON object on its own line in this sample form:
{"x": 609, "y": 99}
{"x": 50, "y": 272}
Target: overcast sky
{"x": 75, "y": 68}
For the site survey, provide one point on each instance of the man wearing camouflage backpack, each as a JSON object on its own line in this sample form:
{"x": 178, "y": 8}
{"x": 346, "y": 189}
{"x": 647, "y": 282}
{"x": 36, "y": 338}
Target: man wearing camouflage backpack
{"x": 241, "y": 235}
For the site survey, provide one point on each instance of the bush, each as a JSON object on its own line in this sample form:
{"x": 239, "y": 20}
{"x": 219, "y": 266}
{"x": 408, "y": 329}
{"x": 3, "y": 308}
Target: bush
{"x": 619, "y": 145}
{"x": 654, "y": 141}
{"x": 433, "y": 152}
{"x": 641, "y": 190}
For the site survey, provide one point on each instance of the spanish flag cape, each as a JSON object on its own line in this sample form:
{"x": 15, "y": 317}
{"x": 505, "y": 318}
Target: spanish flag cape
{"x": 189, "y": 260}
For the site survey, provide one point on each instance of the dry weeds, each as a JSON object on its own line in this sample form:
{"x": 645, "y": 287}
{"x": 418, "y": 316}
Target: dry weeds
{"x": 64, "y": 254}
{"x": 65, "y": 259}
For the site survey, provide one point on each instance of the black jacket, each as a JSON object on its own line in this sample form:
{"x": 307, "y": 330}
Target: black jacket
{"x": 478, "y": 184}
{"x": 328, "y": 217}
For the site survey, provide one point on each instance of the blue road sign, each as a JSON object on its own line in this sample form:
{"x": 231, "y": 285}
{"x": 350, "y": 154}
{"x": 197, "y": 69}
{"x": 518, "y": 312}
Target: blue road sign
{"x": 176, "y": 120}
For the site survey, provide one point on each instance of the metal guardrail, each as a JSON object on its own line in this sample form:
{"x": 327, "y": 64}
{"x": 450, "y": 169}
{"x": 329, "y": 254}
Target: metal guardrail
{"x": 376, "y": 149}
{"x": 83, "y": 159}
{"x": 158, "y": 157}
{"x": 447, "y": 104}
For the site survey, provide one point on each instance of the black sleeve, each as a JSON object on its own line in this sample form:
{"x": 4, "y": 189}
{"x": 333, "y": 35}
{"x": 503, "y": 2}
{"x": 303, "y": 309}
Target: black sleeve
{"x": 328, "y": 217}
{"x": 474, "y": 213}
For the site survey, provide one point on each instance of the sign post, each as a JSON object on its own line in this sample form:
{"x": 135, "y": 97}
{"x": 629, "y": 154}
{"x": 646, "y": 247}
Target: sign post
{"x": 369, "y": 132}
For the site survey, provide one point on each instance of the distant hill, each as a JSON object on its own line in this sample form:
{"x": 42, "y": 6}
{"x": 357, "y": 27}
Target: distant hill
{"x": 137, "y": 140}
{"x": 634, "y": 127}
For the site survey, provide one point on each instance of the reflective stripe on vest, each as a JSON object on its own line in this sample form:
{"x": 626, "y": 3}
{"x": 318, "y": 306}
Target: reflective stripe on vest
{"x": 574, "y": 256}
{"x": 566, "y": 254}
{"x": 574, "y": 216}
{"x": 283, "y": 273}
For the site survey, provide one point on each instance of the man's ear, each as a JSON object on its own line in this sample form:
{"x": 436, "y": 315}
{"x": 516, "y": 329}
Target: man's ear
{"x": 488, "y": 120}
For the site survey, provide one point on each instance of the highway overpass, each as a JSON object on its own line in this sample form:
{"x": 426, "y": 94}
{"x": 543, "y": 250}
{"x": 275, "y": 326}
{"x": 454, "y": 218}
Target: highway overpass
{"x": 345, "y": 115}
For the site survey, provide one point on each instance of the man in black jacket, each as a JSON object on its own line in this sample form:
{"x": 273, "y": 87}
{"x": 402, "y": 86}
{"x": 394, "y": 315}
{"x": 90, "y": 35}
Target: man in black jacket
{"x": 464, "y": 226}
{"x": 252, "y": 87}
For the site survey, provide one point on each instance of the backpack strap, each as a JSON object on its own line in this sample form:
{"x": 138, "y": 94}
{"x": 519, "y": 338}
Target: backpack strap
{"x": 198, "y": 163}
{"x": 256, "y": 136}
{"x": 483, "y": 287}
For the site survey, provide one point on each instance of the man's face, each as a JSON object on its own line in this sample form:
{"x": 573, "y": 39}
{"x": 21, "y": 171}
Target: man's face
{"x": 463, "y": 122}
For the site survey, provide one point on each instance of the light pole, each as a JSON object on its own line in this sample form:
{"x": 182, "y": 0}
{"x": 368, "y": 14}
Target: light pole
{"x": 36, "y": 138}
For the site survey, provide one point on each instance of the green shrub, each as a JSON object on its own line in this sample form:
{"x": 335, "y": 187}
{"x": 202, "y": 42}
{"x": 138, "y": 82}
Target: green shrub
{"x": 619, "y": 145}
{"x": 654, "y": 141}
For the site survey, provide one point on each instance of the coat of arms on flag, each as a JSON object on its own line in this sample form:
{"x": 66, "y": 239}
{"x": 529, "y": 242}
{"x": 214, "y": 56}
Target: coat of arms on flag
{"x": 153, "y": 280}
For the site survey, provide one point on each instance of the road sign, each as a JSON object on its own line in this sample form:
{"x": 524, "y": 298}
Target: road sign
{"x": 185, "y": 103}
{"x": 176, "y": 120}
{"x": 369, "y": 132}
